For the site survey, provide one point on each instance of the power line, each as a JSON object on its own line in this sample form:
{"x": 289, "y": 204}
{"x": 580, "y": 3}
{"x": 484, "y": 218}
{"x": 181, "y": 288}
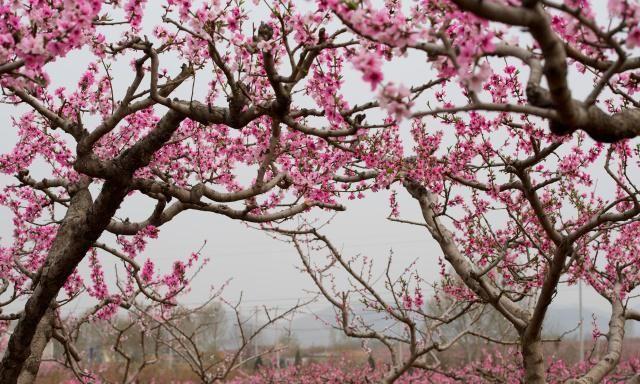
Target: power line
{"x": 292, "y": 250}
{"x": 321, "y": 299}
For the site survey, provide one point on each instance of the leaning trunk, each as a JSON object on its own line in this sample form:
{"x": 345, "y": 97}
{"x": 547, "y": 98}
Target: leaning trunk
{"x": 82, "y": 225}
{"x": 41, "y": 339}
{"x": 80, "y": 228}
{"x": 615, "y": 337}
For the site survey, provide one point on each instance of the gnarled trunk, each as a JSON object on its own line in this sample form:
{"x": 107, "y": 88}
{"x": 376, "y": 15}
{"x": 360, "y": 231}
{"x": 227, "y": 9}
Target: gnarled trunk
{"x": 76, "y": 235}
{"x": 84, "y": 222}
{"x": 41, "y": 339}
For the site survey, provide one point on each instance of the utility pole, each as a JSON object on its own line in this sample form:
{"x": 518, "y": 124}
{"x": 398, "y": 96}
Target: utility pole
{"x": 581, "y": 320}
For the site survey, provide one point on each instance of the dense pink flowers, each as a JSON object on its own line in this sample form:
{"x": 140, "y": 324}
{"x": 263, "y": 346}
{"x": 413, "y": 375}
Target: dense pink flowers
{"x": 499, "y": 367}
{"x": 134, "y": 8}
{"x": 38, "y": 31}
{"x": 268, "y": 98}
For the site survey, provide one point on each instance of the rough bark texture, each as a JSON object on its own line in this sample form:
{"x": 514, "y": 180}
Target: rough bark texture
{"x": 533, "y": 360}
{"x": 82, "y": 225}
{"x": 72, "y": 242}
{"x": 634, "y": 380}
{"x": 41, "y": 339}
{"x": 532, "y": 352}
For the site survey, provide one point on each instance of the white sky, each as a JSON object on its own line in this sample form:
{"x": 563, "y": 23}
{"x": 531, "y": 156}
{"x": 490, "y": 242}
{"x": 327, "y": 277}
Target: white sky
{"x": 262, "y": 268}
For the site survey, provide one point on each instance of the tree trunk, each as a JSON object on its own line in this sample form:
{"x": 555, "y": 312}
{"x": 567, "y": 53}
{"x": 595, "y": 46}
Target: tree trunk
{"x": 40, "y": 341}
{"x": 70, "y": 245}
{"x": 608, "y": 363}
{"x": 75, "y": 236}
{"x": 533, "y": 360}
{"x": 84, "y": 222}
{"x": 635, "y": 379}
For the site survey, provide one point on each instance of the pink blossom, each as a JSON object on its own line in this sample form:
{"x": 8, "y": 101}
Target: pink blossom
{"x": 475, "y": 80}
{"x": 633, "y": 38}
{"x": 370, "y": 65}
{"x": 395, "y": 99}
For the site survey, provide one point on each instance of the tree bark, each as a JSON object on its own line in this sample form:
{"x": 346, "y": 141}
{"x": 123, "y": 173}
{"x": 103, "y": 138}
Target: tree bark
{"x": 84, "y": 222}
{"x": 76, "y": 235}
{"x": 533, "y": 360}
{"x": 41, "y": 339}
{"x": 572, "y": 114}
{"x": 635, "y": 379}
{"x": 484, "y": 287}
{"x": 615, "y": 337}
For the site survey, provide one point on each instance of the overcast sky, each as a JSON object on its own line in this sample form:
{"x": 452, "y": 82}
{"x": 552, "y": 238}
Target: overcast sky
{"x": 265, "y": 270}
